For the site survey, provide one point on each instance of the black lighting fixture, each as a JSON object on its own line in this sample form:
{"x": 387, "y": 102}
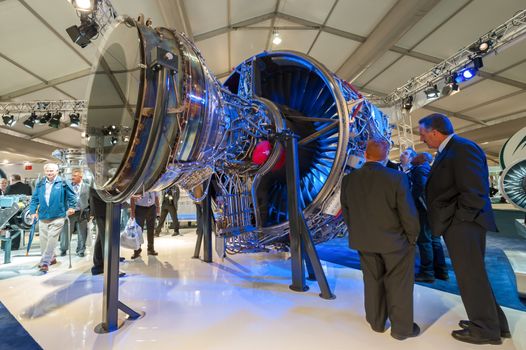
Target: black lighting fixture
{"x": 451, "y": 87}
{"x": 44, "y": 118}
{"x": 74, "y": 120}
{"x": 110, "y": 130}
{"x": 432, "y": 92}
{"x": 9, "y": 120}
{"x": 114, "y": 140}
{"x": 481, "y": 46}
{"x": 88, "y": 28}
{"x": 407, "y": 103}
{"x": 31, "y": 120}
{"x": 54, "y": 122}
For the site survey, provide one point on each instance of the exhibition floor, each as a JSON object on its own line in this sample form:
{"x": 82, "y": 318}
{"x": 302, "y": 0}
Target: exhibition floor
{"x": 242, "y": 302}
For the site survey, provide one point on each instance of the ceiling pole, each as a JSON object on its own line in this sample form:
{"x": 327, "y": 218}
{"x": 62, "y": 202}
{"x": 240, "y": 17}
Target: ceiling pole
{"x": 324, "y": 23}
{"x": 402, "y": 17}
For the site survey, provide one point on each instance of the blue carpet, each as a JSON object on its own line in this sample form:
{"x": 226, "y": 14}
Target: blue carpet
{"x": 12, "y": 335}
{"x": 499, "y": 270}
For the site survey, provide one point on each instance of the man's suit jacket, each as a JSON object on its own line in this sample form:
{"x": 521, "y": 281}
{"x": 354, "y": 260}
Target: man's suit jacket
{"x": 83, "y": 199}
{"x": 458, "y": 185}
{"x": 97, "y": 205}
{"x": 378, "y": 209}
{"x": 419, "y": 175}
{"x": 19, "y": 188}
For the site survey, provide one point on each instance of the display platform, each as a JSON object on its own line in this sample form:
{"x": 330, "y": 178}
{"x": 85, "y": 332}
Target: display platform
{"x": 242, "y": 302}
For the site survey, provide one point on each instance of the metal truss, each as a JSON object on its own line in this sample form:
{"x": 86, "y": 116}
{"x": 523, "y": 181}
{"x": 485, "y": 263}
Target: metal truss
{"x": 498, "y": 38}
{"x": 79, "y": 106}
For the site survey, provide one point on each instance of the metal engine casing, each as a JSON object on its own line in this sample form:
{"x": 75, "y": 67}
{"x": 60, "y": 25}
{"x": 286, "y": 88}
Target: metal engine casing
{"x": 177, "y": 125}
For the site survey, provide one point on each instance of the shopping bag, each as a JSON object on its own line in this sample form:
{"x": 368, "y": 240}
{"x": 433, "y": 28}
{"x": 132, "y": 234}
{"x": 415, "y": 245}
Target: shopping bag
{"x": 131, "y": 236}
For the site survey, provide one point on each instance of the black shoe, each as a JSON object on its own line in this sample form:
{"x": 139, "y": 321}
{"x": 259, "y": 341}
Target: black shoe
{"x": 81, "y": 254}
{"x": 121, "y": 258}
{"x": 424, "y": 278}
{"x": 464, "y": 324}
{"x": 379, "y": 330}
{"x": 96, "y": 270}
{"x": 416, "y": 331}
{"x": 442, "y": 276}
{"x": 62, "y": 253}
{"x": 152, "y": 252}
{"x": 122, "y": 274}
{"x": 176, "y": 233}
{"x": 466, "y": 336}
{"x": 136, "y": 253}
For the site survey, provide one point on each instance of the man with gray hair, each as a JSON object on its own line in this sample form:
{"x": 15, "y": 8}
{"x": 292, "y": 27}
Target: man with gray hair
{"x": 52, "y": 200}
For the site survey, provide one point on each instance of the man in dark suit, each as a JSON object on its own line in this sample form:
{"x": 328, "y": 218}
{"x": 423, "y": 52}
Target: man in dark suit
{"x": 79, "y": 220}
{"x": 432, "y": 260}
{"x": 18, "y": 187}
{"x": 383, "y": 226}
{"x": 459, "y": 209}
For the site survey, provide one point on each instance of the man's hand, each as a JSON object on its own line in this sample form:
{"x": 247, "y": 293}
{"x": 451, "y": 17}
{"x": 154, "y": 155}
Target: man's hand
{"x": 70, "y": 211}
{"x": 34, "y": 216}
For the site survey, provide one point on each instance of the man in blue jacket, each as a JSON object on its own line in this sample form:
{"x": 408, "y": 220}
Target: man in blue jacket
{"x": 52, "y": 199}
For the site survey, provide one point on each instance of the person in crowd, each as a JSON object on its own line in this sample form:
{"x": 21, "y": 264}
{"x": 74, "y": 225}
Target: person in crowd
{"x": 52, "y": 200}
{"x": 198, "y": 193}
{"x": 18, "y": 187}
{"x": 145, "y": 208}
{"x": 382, "y": 221}
{"x": 459, "y": 209}
{"x": 432, "y": 260}
{"x": 3, "y": 186}
{"x": 405, "y": 160}
{"x": 169, "y": 205}
{"x": 97, "y": 208}
{"x": 79, "y": 220}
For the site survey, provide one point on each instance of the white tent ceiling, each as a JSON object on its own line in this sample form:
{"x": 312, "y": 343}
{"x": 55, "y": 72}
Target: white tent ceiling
{"x": 378, "y": 45}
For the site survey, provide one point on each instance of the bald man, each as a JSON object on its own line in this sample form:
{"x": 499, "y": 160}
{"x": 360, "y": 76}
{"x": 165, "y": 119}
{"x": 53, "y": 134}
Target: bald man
{"x": 383, "y": 226}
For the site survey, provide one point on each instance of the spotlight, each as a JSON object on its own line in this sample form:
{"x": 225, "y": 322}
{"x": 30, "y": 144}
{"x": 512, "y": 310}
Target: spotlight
{"x": 44, "y": 119}
{"x": 432, "y": 92}
{"x": 82, "y": 35}
{"x": 126, "y": 138}
{"x": 481, "y": 47}
{"x": 469, "y": 71}
{"x": 54, "y": 122}
{"x": 465, "y": 74}
{"x": 407, "y": 103}
{"x": 83, "y": 5}
{"x": 30, "y": 122}
{"x": 74, "y": 119}
{"x": 276, "y": 38}
{"x": 450, "y": 89}
{"x": 9, "y": 120}
{"x": 114, "y": 140}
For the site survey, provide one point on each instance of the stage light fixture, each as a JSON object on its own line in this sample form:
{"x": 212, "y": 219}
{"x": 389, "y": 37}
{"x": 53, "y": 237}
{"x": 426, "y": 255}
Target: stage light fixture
{"x": 44, "y": 118}
{"x": 9, "y": 120}
{"x": 31, "y": 120}
{"x": 450, "y": 88}
{"x": 407, "y": 103}
{"x": 74, "y": 120}
{"x": 481, "y": 47}
{"x": 54, "y": 122}
{"x": 432, "y": 92}
{"x": 114, "y": 140}
{"x": 83, "y": 5}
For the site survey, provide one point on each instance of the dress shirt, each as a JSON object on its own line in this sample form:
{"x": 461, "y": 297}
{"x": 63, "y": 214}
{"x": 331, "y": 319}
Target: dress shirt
{"x": 444, "y": 143}
{"x": 147, "y": 200}
{"x": 49, "y": 187}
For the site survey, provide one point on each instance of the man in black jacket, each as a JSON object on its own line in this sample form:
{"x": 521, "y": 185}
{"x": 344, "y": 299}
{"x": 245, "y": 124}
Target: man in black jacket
{"x": 383, "y": 226}
{"x": 459, "y": 209}
{"x": 432, "y": 260}
{"x": 18, "y": 187}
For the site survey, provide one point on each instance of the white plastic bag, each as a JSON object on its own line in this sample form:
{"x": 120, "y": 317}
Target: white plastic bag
{"x": 131, "y": 236}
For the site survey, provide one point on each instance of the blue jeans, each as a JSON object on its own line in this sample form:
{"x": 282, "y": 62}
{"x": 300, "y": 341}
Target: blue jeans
{"x": 432, "y": 259}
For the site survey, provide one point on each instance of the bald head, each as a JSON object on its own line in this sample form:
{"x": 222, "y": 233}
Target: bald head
{"x": 376, "y": 150}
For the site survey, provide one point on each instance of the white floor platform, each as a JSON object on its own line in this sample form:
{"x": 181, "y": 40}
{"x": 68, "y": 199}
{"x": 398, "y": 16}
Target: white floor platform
{"x": 241, "y": 303}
